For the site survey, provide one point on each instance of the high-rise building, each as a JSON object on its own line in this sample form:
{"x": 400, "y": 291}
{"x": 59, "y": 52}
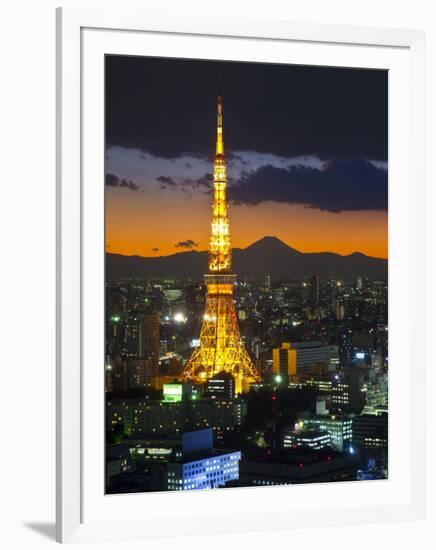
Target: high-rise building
{"x": 363, "y": 342}
{"x": 334, "y": 359}
{"x": 221, "y": 347}
{"x": 303, "y": 357}
{"x": 149, "y": 341}
{"x": 371, "y": 431}
{"x": 353, "y": 377}
{"x": 377, "y": 361}
{"x": 346, "y": 348}
{"x": 108, "y": 378}
{"x": 135, "y": 373}
{"x": 285, "y": 361}
{"x": 339, "y": 310}
{"x": 119, "y": 379}
{"x": 314, "y": 291}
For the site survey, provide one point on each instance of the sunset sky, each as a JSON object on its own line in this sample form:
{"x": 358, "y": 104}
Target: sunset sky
{"x": 306, "y": 150}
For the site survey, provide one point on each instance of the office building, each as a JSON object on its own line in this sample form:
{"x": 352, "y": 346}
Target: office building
{"x": 149, "y": 341}
{"x": 153, "y": 416}
{"x": 340, "y": 428}
{"x": 312, "y": 439}
{"x": 371, "y": 431}
{"x": 220, "y": 386}
{"x": 118, "y": 460}
{"x": 202, "y": 466}
{"x": 314, "y": 291}
{"x": 285, "y": 361}
{"x": 303, "y": 357}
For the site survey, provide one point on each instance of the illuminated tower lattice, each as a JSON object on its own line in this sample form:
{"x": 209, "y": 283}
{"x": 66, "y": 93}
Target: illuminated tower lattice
{"x": 221, "y": 347}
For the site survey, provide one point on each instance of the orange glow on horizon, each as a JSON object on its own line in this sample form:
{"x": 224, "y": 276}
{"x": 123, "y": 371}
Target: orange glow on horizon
{"x": 159, "y": 222}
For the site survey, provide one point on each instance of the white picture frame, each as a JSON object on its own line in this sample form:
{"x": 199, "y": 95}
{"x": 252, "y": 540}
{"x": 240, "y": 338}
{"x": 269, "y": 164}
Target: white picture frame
{"x": 83, "y": 512}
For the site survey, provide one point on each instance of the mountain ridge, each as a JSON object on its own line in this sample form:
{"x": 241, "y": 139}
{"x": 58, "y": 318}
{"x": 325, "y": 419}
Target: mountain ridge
{"x": 268, "y": 255}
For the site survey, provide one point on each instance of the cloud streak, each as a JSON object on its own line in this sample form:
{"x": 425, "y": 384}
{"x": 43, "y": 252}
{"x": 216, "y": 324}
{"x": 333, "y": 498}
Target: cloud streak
{"x": 340, "y": 185}
{"x": 189, "y": 243}
{"x": 167, "y": 180}
{"x": 112, "y": 180}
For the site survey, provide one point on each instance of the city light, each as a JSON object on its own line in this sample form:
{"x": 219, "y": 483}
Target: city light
{"x": 179, "y": 318}
{"x": 284, "y": 366}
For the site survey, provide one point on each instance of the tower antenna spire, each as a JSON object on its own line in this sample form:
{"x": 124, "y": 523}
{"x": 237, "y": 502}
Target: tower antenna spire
{"x": 219, "y": 135}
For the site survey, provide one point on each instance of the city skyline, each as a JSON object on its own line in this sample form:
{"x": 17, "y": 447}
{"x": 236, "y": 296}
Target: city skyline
{"x": 254, "y": 367}
{"x": 318, "y": 181}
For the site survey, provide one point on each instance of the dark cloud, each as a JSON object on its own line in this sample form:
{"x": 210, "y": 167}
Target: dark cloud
{"x": 115, "y": 181}
{"x": 129, "y": 184}
{"x": 189, "y": 243}
{"x": 203, "y": 181}
{"x": 340, "y": 185}
{"x": 112, "y": 180}
{"x": 167, "y": 108}
{"x": 194, "y": 183}
{"x": 155, "y": 249}
{"x": 166, "y": 179}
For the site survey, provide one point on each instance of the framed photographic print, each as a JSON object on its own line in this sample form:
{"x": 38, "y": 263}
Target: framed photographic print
{"x": 240, "y": 229}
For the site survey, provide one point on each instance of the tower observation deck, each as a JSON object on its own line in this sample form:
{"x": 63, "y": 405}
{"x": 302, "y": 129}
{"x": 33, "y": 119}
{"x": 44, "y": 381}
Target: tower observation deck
{"x": 221, "y": 347}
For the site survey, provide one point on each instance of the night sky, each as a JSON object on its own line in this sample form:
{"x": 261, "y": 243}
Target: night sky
{"x": 306, "y": 150}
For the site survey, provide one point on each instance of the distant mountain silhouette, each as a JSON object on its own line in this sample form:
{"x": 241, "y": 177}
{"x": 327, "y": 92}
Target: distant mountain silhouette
{"x": 269, "y": 255}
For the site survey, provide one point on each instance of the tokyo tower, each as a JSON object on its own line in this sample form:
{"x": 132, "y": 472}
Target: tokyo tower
{"x": 221, "y": 347}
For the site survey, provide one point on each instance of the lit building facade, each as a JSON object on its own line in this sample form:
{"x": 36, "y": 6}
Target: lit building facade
{"x": 149, "y": 341}
{"x": 210, "y": 471}
{"x": 371, "y": 431}
{"x": 302, "y": 358}
{"x": 312, "y": 439}
{"x": 175, "y": 414}
{"x": 221, "y": 385}
{"x": 201, "y": 466}
{"x": 285, "y": 361}
{"x": 340, "y": 428}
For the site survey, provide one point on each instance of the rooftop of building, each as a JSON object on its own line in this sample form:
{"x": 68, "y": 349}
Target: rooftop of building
{"x": 300, "y": 455}
{"x": 311, "y": 433}
{"x": 204, "y": 455}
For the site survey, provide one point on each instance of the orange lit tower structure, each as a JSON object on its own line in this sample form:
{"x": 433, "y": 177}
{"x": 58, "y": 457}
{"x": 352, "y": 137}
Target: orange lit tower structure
{"x": 221, "y": 347}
